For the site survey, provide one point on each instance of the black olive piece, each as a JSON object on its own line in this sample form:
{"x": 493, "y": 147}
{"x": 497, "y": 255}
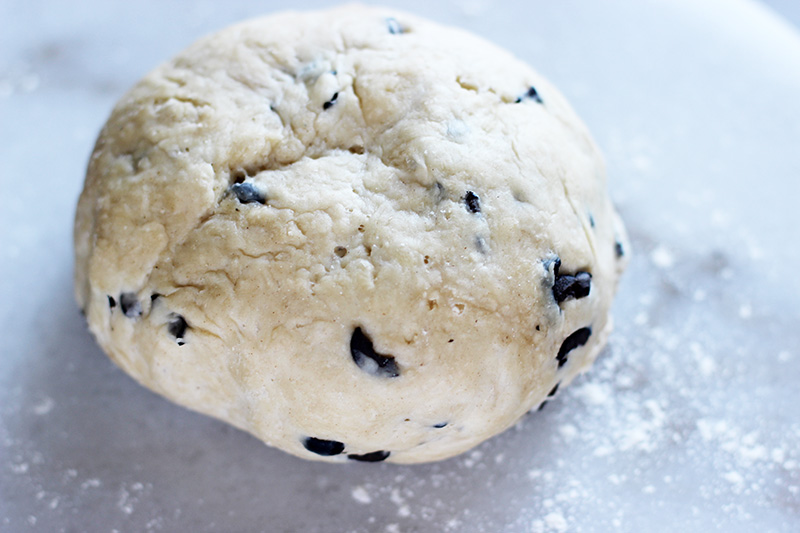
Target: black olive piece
{"x": 368, "y": 360}
{"x": 247, "y": 193}
{"x": 577, "y": 286}
{"x": 394, "y": 26}
{"x": 371, "y": 457}
{"x": 473, "y": 202}
{"x": 112, "y": 303}
{"x": 541, "y": 405}
{"x": 554, "y": 391}
{"x": 177, "y": 327}
{"x": 155, "y": 296}
{"x": 323, "y": 447}
{"x": 568, "y": 286}
{"x": 327, "y": 105}
{"x": 532, "y": 94}
{"x": 618, "y": 249}
{"x": 130, "y": 305}
{"x": 440, "y": 425}
{"x": 576, "y": 339}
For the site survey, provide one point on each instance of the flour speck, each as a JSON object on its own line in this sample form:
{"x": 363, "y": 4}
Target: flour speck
{"x": 44, "y": 406}
{"x": 361, "y": 495}
{"x": 662, "y": 257}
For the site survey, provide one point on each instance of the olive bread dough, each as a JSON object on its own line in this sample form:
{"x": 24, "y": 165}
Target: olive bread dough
{"x": 354, "y": 233}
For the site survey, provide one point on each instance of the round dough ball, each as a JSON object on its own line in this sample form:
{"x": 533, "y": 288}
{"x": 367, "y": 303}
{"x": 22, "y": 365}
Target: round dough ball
{"x": 355, "y": 234}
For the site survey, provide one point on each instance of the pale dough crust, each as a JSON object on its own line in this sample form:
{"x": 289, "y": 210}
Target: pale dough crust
{"x": 289, "y": 180}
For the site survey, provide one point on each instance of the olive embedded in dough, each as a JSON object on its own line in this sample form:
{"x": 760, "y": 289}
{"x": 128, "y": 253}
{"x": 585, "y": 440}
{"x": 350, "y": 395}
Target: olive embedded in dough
{"x": 549, "y": 395}
{"x": 531, "y": 94}
{"x": 372, "y": 457}
{"x": 473, "y": 202}
{"x": 323, "y": 447}
{"x": 247, "y": 193}
{"x": 327, "y": 105}
{"x": 177, "y": 327}
{"x": 394, "y": 27}
{"x": 130, "y": 305}
{"x": 370, "y": 361}
{"x": 567, "y": 286}
{"x": 576, "y": 339}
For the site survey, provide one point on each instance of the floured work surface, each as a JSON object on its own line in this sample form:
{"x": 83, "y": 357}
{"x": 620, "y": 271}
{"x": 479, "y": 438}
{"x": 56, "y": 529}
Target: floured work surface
{"x": 686, "y": 419}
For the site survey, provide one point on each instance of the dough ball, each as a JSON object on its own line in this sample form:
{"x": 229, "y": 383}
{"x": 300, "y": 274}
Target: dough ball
{"x": 353, "y": 233}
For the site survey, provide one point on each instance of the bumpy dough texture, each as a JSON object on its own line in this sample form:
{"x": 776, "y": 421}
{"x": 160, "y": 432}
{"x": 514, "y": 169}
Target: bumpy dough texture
{"x": 352, "y": 233}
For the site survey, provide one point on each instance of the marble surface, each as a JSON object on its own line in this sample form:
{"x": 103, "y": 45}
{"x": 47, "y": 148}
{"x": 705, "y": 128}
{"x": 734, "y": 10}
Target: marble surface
{"x": 688, "y": 422}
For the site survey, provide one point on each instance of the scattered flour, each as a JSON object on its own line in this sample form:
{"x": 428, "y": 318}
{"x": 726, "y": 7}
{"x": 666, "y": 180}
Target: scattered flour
{"x": 745, "y": 311}
{"x": 44, "y": 406}
{"x": 361, "y": 495}
{"x": 595, "y": 393}
{"x": 20, "y": 468}
{"x": 662, "y": 257}
{"x": 553, "y": 522}
{"x": 652, "y": 418}
{"x": 90, "y": 483}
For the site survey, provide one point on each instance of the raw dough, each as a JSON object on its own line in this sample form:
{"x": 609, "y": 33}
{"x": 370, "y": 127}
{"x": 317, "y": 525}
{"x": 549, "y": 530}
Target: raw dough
{"x": 353, "y": 233}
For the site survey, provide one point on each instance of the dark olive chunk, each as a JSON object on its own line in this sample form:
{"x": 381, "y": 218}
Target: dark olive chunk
{"x": 531, "y": 94}
{"x": 247, "y": 193}
{"x": 372, "y": 457}
{"x": 112, "y": 303}
{"x": 618, "y": 250}
{"x": 576, "y": 339}
{"x": 368, "y": 360}
{"x": 177, "y": 327}
{"x": 577, "y": 286}
{"x": 567, "y": 286}
{"x": 554, "y": 391}
{"x": 323, "y": 447}
{"x": 130, "y": 305}
{"x": 327, "y": 105}
{"x": 440, "y": 425}
{"x": 473, "y": 202}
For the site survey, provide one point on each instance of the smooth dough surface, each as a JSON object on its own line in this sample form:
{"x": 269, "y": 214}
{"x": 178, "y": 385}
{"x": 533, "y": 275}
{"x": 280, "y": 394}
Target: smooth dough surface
{"x": 352, "y": 233}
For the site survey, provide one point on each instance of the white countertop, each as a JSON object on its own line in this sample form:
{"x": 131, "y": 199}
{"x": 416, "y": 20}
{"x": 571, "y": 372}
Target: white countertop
{"x": 690, "y": 420}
